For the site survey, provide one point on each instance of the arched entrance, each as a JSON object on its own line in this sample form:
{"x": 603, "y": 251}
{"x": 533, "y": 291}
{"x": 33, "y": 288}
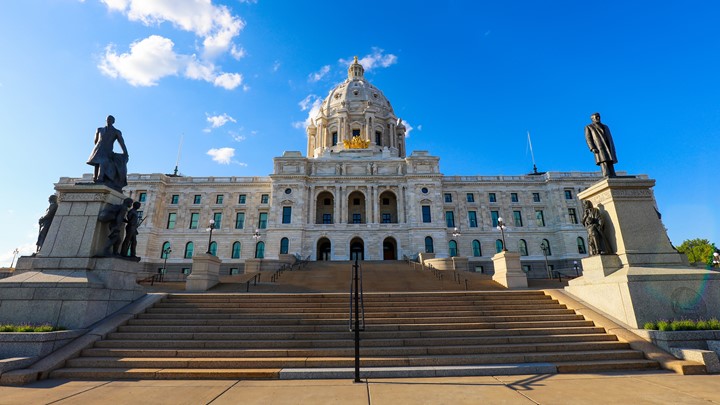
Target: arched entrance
{"x": 357, "y": 249}
{"x": 323, "y": 249}
{"x": 389, "y": 249}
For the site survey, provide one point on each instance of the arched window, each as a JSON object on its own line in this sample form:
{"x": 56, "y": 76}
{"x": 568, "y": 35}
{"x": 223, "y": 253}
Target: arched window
{"x": 429, "y": 245}
{"x": 522, "y": 247}
{"x": 284, "y": 246}
{"x": 189, "y": 250}
{"x": 498, "y": 246}
{"x": 581, "y": 246}
{"x": 260, "y": 250}
{"x": 165, "y": 252}
{"x": 235, "y": 250}
{"x": 213, "y": 248}
{"x": 452, "y": 246}
{"x": 547, "y": 250}
{"x": 476, "y": 248}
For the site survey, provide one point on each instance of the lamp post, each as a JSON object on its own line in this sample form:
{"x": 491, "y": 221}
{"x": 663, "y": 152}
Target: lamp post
{"x": 544, "y": 248}
{"x": 716, "y": 259}
{"x": 16, "y": 251}
{"x": 501, "y": 227}
{"x": 166, "y": 253}
{"x": 577, "y": 268}
{"x": 456, "y": 232}
{"x": 257, "y": 237}
{"x": 212, "y": 226}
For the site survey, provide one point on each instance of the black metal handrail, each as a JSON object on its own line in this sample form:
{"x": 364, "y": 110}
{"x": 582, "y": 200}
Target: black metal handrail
{"x": 356, "y": 320}
{"x": 254, "y": 280}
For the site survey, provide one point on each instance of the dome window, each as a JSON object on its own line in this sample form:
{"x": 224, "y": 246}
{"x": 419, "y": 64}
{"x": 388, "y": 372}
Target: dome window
{"x": 355, "y": 92}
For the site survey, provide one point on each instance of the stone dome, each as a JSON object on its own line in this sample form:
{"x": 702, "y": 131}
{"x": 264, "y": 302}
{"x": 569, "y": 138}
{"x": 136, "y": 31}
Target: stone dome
{"x": 356, "y": 95}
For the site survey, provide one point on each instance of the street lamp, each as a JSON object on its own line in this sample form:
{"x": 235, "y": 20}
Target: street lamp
{"x": 256, "y": 235}
{"x": 501, "y": 227}
{"x": 456, "y": 232}
{"x": 166, "y": 253}
{"x": 545, "y": 249}
{"x": 577, "y": 268}
{"x": 212, "y": 226}
{"x": 716, "y": 259}
{"x": 16, "y": 251}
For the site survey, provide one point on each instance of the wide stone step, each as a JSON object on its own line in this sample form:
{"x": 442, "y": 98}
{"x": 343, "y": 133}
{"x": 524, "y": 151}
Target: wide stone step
{"x": 344, "y": 301}
{"x": 164, "y": 374}
{"x": 605, "y": 365}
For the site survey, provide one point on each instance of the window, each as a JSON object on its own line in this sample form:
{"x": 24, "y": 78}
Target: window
{"x": 568, "y": 194}
{"x": 185, "y": 270}
{"x": 450, "y": 219}
{"x": 235, "y": 250}
{"x": 174, "y": 199}
{"x": 545, "y": 247}
{"x": 581, "y": 246}
{"x": 429, "y": 245}
{"x": 448, "y": 197}
{"x": 513, "y": 197}
{"x": 142, "y": 197}
{"x": 286, "y": 215}
{"x": 260, "y": 250}
{"x": 327, "y": 219}
{"x": 172, "y": 218}
{"x": 197, "y": 198}
{"x": 517, "y": 217}
{"x": 492, "y": 197}
{"x": 385, "y": 201}
{"x": 356, "y": 201}
{"x": 539, "y": 218}
{"x": 242, "y": 198}
{"x": 470, "y": 197}
{"x": 334, "y": 138}
{"x": 522, "y": 247}
{"x": 536, "y": 197}
{"x": 264, "y": 198}
{"x": 356, "y": 218}
{"x": 386, "y": 218}
{"x": 240, "y": 220}
{"x": 189, "y": 250}
{"x": 262, "y": 220}
{"x": 494, "y": 215}
{"x": 194, "y": 218}
{"x": 573, "y": 216}
{"x": 219, "y": 199}
{"x": 472, "y": 218}
{"x": 526, "y": 268}
{"x": 217, "y": 217}
{"x": 378, "y": 138}
{"x": 356, "y": 132}
{"x": 140, "y": 216}
{"x": 165, "y": 248}
{"x": 234, "y": 271}
{"x": 213, "y": 248}
{"x": 477, "y": 252}
{"x": 452, "y": 248}
{"x": 284, "y": 246}
{"x": 498, "y": 246}
{"x": 327, "y": 201}
{"x": 426, "y": 214}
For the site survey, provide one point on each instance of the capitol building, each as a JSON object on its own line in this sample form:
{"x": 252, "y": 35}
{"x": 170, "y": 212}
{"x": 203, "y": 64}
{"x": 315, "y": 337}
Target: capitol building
{"x": 358, "y": 193}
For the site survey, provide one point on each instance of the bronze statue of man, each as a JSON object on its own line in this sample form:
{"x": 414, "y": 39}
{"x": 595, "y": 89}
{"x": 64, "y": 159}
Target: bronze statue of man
{"x": 131, "y": 231}
{"x": 114, "y": 216}
{"x": 110, "y": 167}
{"x": 46, "y": 220}
{"x": 593, "y": 222}
{"x": 601, "y": 144}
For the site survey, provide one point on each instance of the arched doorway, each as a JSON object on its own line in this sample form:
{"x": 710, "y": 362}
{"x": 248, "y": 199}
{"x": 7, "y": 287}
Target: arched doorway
{"x": 323, "y": 249}
{"x": 389, "y": 249}
{"x": 324, "y": 208}
{"x": 356, "y": 208}
{"x": 388, "y": 208}
{"x": 357, "y": 249}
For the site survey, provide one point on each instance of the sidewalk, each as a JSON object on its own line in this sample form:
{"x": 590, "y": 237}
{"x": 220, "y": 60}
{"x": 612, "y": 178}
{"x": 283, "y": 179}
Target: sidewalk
{"x": 616, "y": 388}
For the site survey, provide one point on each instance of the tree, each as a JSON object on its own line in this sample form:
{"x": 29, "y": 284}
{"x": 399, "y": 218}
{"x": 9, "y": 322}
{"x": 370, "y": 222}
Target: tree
{"x": 697, "y": 250}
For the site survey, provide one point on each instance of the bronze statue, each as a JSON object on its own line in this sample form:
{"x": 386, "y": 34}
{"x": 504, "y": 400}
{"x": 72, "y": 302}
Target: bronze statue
{"x": 110, "y": 167}
{"x": 45, "y": 221}
{"x": 114, "y": 215}
{"x": 131, "y": 231}
{"x": 601, "y": 144}
{"x": 593, "y": 222}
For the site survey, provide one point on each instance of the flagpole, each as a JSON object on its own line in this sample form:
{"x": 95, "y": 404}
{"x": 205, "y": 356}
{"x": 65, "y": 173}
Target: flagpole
{"x": 531, "y": 153}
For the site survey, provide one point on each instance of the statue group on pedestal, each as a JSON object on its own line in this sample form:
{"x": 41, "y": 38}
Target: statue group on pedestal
{"x": 117, "y": 216}
{"x": 45, "y": 221}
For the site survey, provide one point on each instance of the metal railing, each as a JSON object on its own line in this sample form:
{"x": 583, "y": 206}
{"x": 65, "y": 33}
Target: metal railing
{"x": 356, "y": 320}
{"x": 439, "y": 274}
{"x": 253, "y": 280}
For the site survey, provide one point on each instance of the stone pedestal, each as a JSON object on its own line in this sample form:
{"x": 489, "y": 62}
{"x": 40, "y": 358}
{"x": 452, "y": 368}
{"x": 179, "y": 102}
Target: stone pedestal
{"x": 64, "y": 285}
{"x": 205, "y": 273}
{"x": 508, "y": 270}
{"x": 645, "y": 279}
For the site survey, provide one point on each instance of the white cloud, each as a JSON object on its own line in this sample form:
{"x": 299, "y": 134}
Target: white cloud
{"x": 237, "y": 53}
{"x": 276, "y": 66}
{"x": 148, "y": 61}
{"x": 228, "y": 81}
{"x": 419, "y": 127}
{"x": 216, "y": 121}
{"x": 375, "y": 59}
{"x": 408, "y": 128}
{"x": 314, "y": 77}
{"x": 237, "y": 137}
{"x": 223, "y": 155}
{"x": 199, "y": 70}
{"x": 312, "y": 104}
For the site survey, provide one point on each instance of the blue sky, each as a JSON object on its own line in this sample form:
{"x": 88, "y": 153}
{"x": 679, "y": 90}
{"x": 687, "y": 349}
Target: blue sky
{"x": 236, "y": 80}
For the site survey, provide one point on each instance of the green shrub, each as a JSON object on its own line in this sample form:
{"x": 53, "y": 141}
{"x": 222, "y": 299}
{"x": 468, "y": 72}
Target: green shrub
{"x": 683, "y": 324}
{"x": 29, "y": 328}
{"x": 650, "y": 326}
{"x": 663, "y": 325}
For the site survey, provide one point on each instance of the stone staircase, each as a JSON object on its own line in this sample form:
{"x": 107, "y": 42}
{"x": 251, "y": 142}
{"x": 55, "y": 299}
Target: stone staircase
{"x": 291, "y": 336}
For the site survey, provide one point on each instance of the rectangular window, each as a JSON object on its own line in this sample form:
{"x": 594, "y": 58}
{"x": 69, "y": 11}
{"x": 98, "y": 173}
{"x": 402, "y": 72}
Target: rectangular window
{"x": 385, "y": 201}
{"x": 472, "y": 218}
{"x": 517, "y": 216}
{"x": 513, "y": 197}
{"x": 568, "y": 194}
{"x": 194, "y": 218}
{"x": 539, "y": 218}
{"x": 378, "y": 138}
{"x": 426, "y": 214}
{"x": 262, "y": 221}
{"x": 526, "y": 268}
{"x": 356, "y": 132}
{"x": 219, "y": 199}
{"x": 240, "y": 220}
{"x": 494, "y": 215}
{"x": 492, "y": 197}
{"x": 174, "y": 199}
{"x": 217, "y": 217}
{"x": 172, "y": 218}
{"x": 536, "y": 197}
{"x": 242, "y": 198}
{"x": 142, "y": 197}
{"x": 356, "y": 218}
{"x": 573, "y": 216}
{"x": 470, "y": 197}
{"x": 356, "y": 201}
{"x": 264, "y": 199}
{"x": 450, "y": 219}
{"x": 386, "y": 218}
{"x": 334, "y": 138}
{"x": 327, "y": 219}
{"x": 287, "y": 215}
{"x": 448, "y": 197}
{"x": 197, "y": 198}
{"x": 234, "y": 271}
